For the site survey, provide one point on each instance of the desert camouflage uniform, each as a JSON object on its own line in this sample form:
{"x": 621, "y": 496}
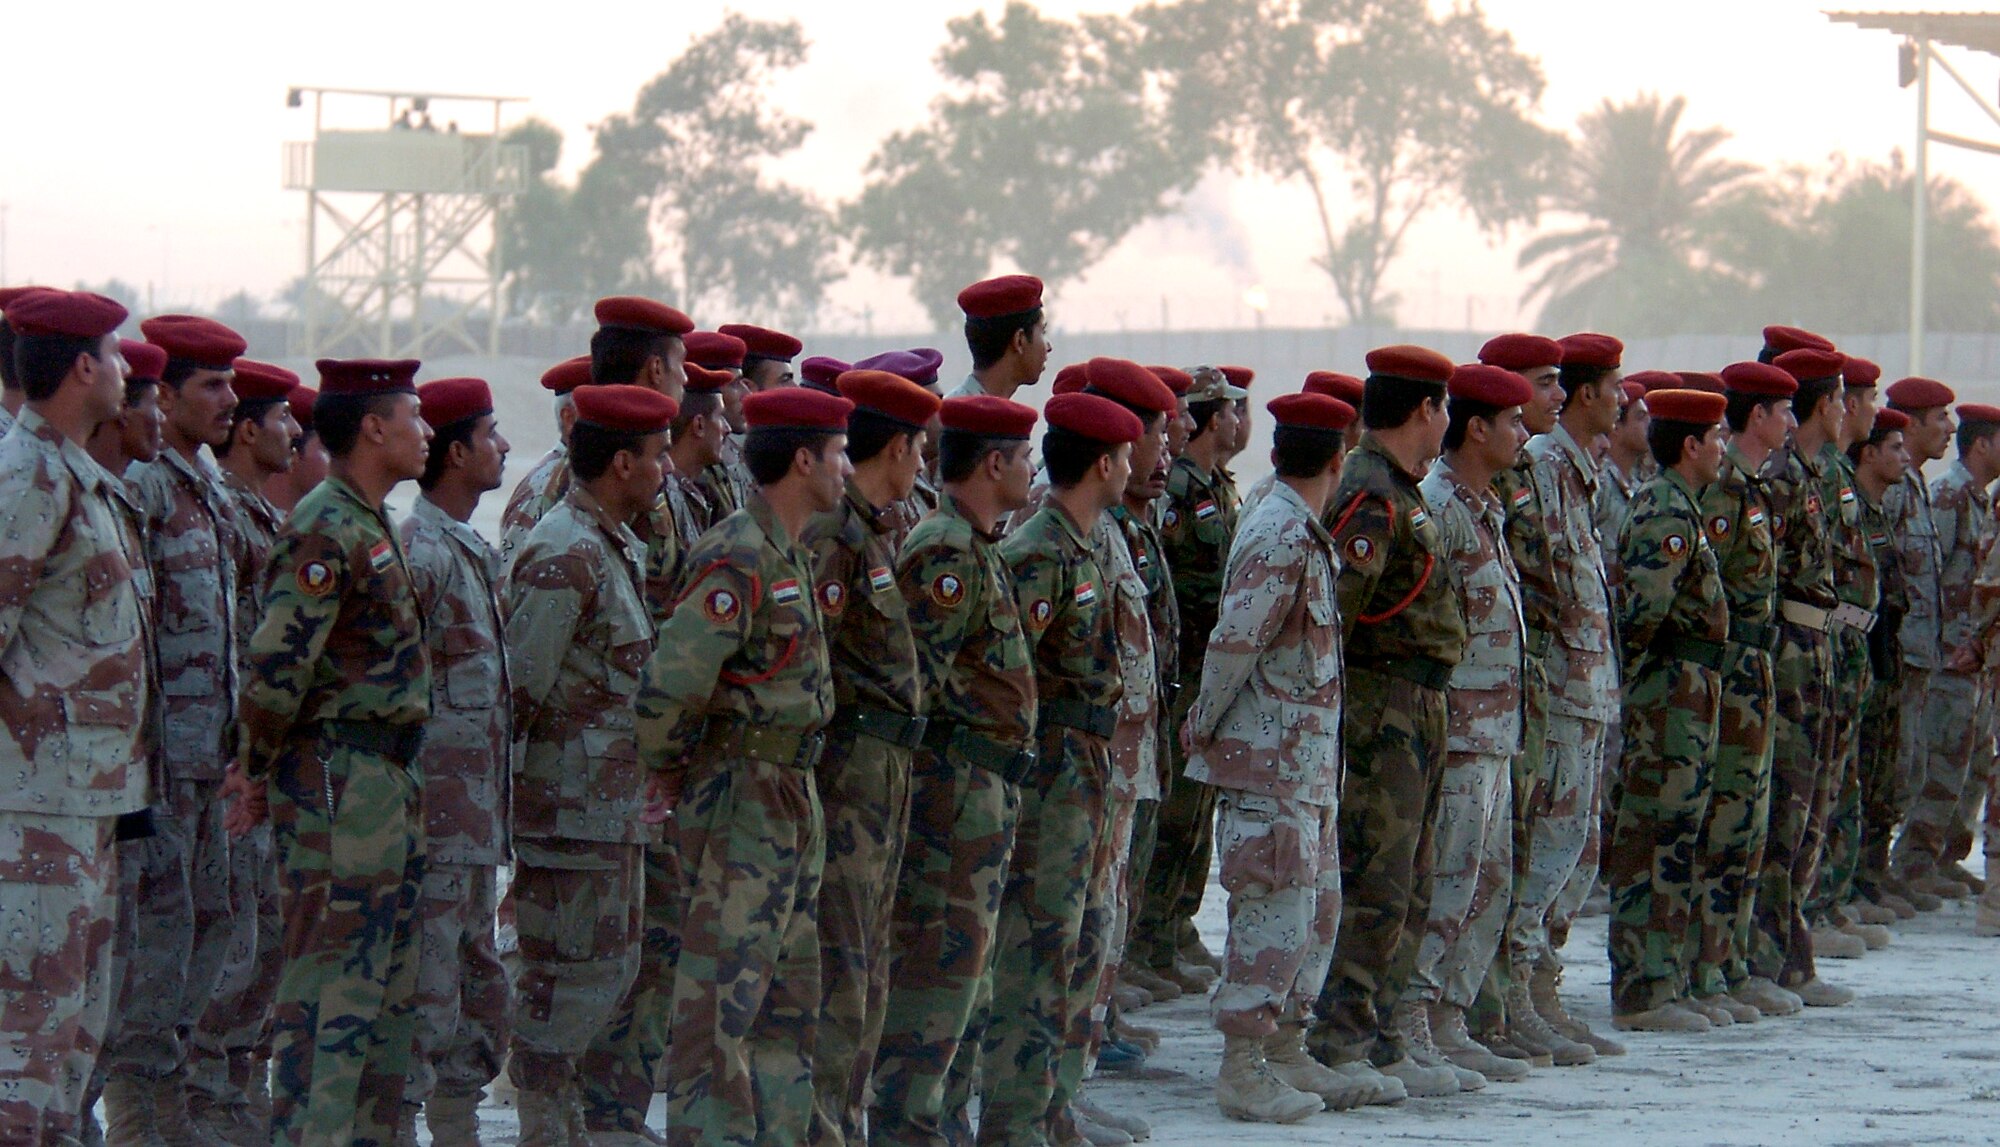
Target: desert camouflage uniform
{"x": 538, "y": 492}
{"x": 1857, "y": 868}
{"x": 1266, "y": 728}
{"x": 1615, "y": 489}
{"x": 336, "y": 690}
{"x": 1857, "y": 585}
{"x": 979, "y": 697}
{"x": 463, "y": 1000}
{"x": 731, "y": 706}
{"x": 1913, "y": 529}
{"x": 687, "y": 505}
{"x": 75, "y": 662}
{"x": 1149, "y": 558}
{"x": 1474, "y": 845}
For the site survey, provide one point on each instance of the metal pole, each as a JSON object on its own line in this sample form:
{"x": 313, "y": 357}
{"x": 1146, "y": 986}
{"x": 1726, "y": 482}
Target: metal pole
{"x": 1920, "y": 205}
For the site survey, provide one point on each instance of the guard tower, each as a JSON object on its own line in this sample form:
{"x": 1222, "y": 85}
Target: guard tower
{"x": 402, "y": 258}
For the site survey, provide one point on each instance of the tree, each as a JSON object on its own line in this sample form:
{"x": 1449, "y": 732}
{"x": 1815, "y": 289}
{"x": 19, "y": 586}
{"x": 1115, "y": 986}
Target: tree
{"x": 562, "y": 247}
{"x": 1049, "y": 146}
{"x": 239, "y": 309}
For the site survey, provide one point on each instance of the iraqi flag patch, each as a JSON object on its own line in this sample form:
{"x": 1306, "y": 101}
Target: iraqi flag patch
{"x": 1418, "y": 517}
{"x": 1086, "y": 593}
{"x": 785, "y": 592}
{"x": 1756, "y": 517}
{"x": 1206, "y": 510}
{"x": 880, "y": 580}
{"x": 1521, "y": 497}
{"x": 381, "y": 555}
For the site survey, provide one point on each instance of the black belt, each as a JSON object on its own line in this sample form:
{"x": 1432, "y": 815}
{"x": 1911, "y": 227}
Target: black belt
{"x": 1010, "y": 762}
{"x": 881, "y": 724}
{"x": 1755, "y": 634}
{"x": 1701, "y": 651}
{"x": 399, "y": 743}
{"x": 790, "y": 748}
{"x": 1093, "y": 719}
{"x": 1428, "y": 672}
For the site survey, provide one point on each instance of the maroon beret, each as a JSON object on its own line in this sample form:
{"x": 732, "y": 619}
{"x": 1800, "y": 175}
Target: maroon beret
{"x": 1521, "y": 352}
{"x": 1860, "y": 372}
{"x": 1699, "y": 380}
{"x": 191, "y": 338}
{"x": 1634, "y": 391}
{"x": 1095, "y": 418}
{"x": 796, "y": 408}
{"x": 9, "y": 294}
{"x": 1916, "y": 393}
{"x": 366, "y": 376}
{"x": 1759, "y": 378}
{"x": 1333, "y": 384}
{"x": 918, "y": 364}
{"x": 1492, "y": 385}
{"x": 1410, "y": 363}
{"x": 997, "y": 298}
{"x": 1810, "y": 365}
{"x": 715, "y": 350}
{"x": 262, "y": 381}
{"x": 449, "y": 400}
{"x": 1070, "y": 379}
{"x": 1778, "y": 340}
{"x": 820, "y": 372}
{"x": 624, "y": 407}
{"x": 633, "y": 313}
{"x": 889, "y": 395}
{"x": 1589, "y": 348}
{"x": 1177, "y": 380}
{"x": 567, "y": 375}
{"x": 1241, "y": 376}
{"x": 301, "y": 400}
{"x": 142, "y": 360}
{"x": 1129, "y": 383}
{"x": 988, "y": 416}
{"x": 73, "y": 314}
{"x": 1653, "y": 380}
{"x": 1693, "y": 406}
{"x": 1978, "y": 412}
{"x": 1311, "y": 410}
{"x": 1887, "y": 419}
{"x": 762, "y": 342}
{"x": 701, "y": 380}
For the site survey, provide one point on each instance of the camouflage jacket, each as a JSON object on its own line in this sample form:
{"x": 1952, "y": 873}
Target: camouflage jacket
{"x": 687, "y": 506}
{"x": 578, "y": 635}
{"x": 1582, "y": 660}
{"x": 1135, "y": 744}
{"x": 1673, "y": 585}
{"x": 1885, "y": 640}
{"x": 904, "y": 515}
{"x": 1485, "y": 696}
{"x": 1963, "y": 512}
{"x": 1396, "y": 597}
{"x": 152, "y": 728}
{"x": 342, "y": 638}
{"x": 7, "y": 423}
{"x": 71, "y": 637}
{"x": 726, "y": 485}
{"x": 468, "y": 742}
{"x": 1195, "y": 530}
{"x": 191, "y": 529}
{"x": 1148, "y": 555}
{"x": 867, "y": 621}
{"x": 534, "y": 495}
{"x": 1913, "y": 529}
{"x": 1856, "y": 579}
{"x": 257, "y": 523}
{"x": 745, "y": 645}
{"x": 1798, "y": 528}
{"x": 1266, "y": 718}
{"x": 971, "y": 648}
{"x": 1528, "y": 541}
{"x": 1736, "y": 516}
{"x": 1066, "y": 609}
{"x": 1615, "y": 488}
{"x": 659, "y": 561}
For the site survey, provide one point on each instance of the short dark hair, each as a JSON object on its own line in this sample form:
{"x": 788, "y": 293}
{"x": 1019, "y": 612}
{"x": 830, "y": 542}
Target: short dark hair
{"x": 1741, "y": 406}
{"x": 43, "y": 361}
{"x": 136, "y": 388}
{"x": 1387, "y": 403}
{"x": 1203, "y": 413}
{"x": 696, "y": 404}
{"x": 592, "y": 447}
{"x": 1971, "y": 434}
{"x": 1811, "y": 393}
{"x": 1068, "y": 456}
{"x": 768, "y": 453}
{"x": 337, "y": 418}
{"x": 179, "y": 370}
{"x": 1462, "y": 411}
{"x": 441, "y": 442}
{"x": 618, "y": 354}
{"x": 1876, "y": 436}
{"x": 1574, "y": 376}
{"x": 869, "y": 433}
{"x": 248, "y": 410}
{"x": 960, "y": 452}
{"x": 988, "y": 339}
{"x": 9, "y": 378}
{"x": 1667, "y": 438}
{"x": 1304, "y": 451}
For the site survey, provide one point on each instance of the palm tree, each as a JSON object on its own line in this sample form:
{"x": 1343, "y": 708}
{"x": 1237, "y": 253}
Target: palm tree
{"x": 1652, "y": 196}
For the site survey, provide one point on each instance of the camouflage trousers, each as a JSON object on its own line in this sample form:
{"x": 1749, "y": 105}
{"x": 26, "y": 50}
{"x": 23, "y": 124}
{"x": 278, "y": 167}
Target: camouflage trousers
{"x": 1184, "y": 848}
{"x": 350, "y": 862}
{"x": 955, "y": 866}
{"x": 1562, "y": 827}
{"x": 1039, "y": 932}
{"x": 1730, "y": 852}
{"x": 1472, "y": 881}
{"x": 1529, "y": 776}
{"x": 1281, "y": 868}
{"x": 1914, "y": 744}
{"x": 1853, "y": 680}
{"x": 1801, "y": 795}
{"x": 1946, "y": 734}
{"x": 577, "y": 910}
{"x": 1099, "y": 950}
{"x": 1672, "y": 707}
{"x": 1395, "y": 734}
{"x": 464, "y": 1002}
{"x": 58, "y": 898}
{"x": 745, "y": 1011}
{"x": 1881, "y": 788}
{"x": 234, "y": 1034}
{"x": 1979, "y": 773}
{"x": 1112, "y": 882}
{"x": 623, "y": 1062}
{"x": 864, "y": 788}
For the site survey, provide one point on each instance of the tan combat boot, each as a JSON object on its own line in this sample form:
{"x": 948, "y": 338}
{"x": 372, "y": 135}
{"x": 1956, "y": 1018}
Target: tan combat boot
{"x": 1151, "y": 982}
{"x": 453, "y": 1119}
{"x": 1531, "y": 1032}
{"x": 1963, "y": 875}
{"x": 544, "y": 1119}
{"x": 1193, "y": 951}
{"x": 1249, "y": 1090}
{"x": 1545, "y": 993}
{"x": 129, "y": 1119}
{"x": 1738, "y": 1011}
{"x": 1665, "y": 1018}
{"x": 1817, "y": 993}
{"x": 1449, "y": 1034}
{"x": 1716, "y": 1015}
{"x": 1767, "y": 997}
{"x": 1832, "y": 943}
{"x": 175, "y": 1123}
{"x": 1413, "y": 1020}
{"x": 1285, "y": 1052}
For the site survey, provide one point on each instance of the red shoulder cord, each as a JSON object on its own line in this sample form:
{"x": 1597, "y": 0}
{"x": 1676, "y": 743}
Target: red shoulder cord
{"x": 1423, "y": 579}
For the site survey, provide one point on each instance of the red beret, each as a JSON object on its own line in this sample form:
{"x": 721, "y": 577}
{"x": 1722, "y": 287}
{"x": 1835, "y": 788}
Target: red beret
{"x": 988, "y": 416}
{"x": 191, "y": 338}
{"x": 365, "y": 376}
{"x": 1411, "y": 363}
{"x": 262, "y": 381}
{"x": 1177, "y": 380}
{"x": 1492, "y": 385}
{"x": 1778, "y": 340}
{"x": 797, "y": 408}
{"x": 1653, "y": 380}
{"x": 633, "y": 313}
{"x": 1694, "y": 406}
{"x": 1311, "y": 410}
{"x": 449, "y": 400}
{"x": 890, "y": 395}
{"x": 301, "y": 400}
{"x": 1521, "y": 352}
{"x": 1129, "y": 383}
{"x": 1920, "y": 394}
{"x": 715, "y": 350}
{"x": 1098, "y": 419}
{"x": 1887, "y": 419}
{"x": 820, "y": 372}
{"x": 9, "y": 294}
{"x": 1759, "y": 378}
{"x": 142, "y": 360}
{"x": 1810, "y": 365}
{"x": 1860, "y": 372}
{"x": 701, "y": 380}
{"x": 1241, "y": 376}
{"x": 1978, "y": 412}
{"x": 997, "y": 298}
{"x": 762, "y": 342}
{"x": 567, "y": 375}
{"x": 1070, "y": 379}
{"x": 1699, "y": 380}
{"x": 1634, "y": 391}
{"x": 918, "y": 364}
{"x": 624, "y": 407}
{"x": 1345, "y": 387}
{"x": 74, "y": 314}
{"x": 1591, "y": 349}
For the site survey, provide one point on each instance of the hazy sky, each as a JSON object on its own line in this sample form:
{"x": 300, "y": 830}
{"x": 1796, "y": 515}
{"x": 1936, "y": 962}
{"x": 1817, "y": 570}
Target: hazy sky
{"x": 145, "y": 142}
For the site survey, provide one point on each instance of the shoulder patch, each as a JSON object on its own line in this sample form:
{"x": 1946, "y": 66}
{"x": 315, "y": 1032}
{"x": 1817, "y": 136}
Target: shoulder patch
{"x": 1522, "y": 495}
{"x": 1847, "y": 495}
{"x": 947, "y": 590}
{"x": 1086, "y": 593}
{"x": 721, "y": 606}
{"x": 1039, "y": 613}
{"x": 880, "y": 580}
{"x": 1360, "y": 549}
{"x": 1813, "y": 504}
{"x": 1675, "y": 545}
{"x": 315, "y": 579}
{"x": 381, "y": 555}
{"x": 785, "y": 592}
{"x": 832, "y": 598}
{"x": 1173, "y": 518}
{"x": 1719, "y": 525}
{"x": 1418, "y": 517}
{"x": 1206, "y": 510}
{"x": 1757, "y": 517}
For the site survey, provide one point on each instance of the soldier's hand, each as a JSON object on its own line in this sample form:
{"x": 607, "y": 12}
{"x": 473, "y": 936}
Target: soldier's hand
{"x": 249, "y": 802}
{"x": 661, "y": 797}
